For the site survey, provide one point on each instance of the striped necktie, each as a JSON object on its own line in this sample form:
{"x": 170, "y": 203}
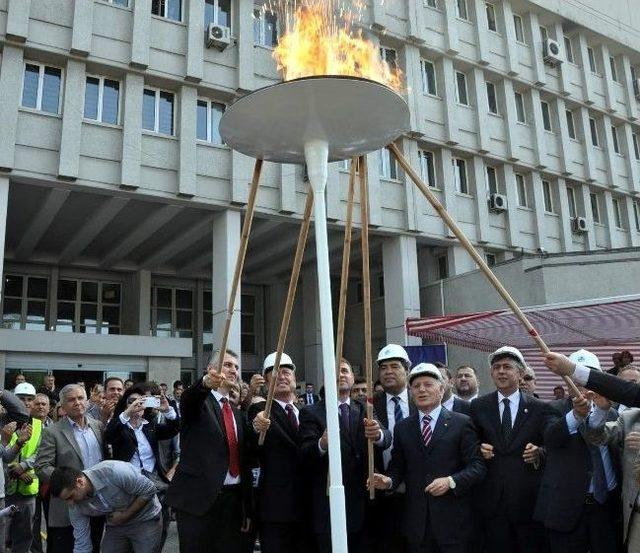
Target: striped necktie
{"x": 426, "y": 429}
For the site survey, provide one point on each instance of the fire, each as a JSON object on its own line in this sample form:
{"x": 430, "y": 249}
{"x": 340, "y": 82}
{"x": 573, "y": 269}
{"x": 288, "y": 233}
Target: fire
{"x": 320, "y": 38}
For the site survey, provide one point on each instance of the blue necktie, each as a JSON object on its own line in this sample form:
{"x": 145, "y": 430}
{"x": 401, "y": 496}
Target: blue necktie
{"x": 600, "y": 488}
{"x": 397, "y": 411}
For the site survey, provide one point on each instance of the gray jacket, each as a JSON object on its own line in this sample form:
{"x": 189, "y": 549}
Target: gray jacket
{"x": 614, "y": 434}
{"x": 116, "y": 485}
{"x": 12, "y": 405}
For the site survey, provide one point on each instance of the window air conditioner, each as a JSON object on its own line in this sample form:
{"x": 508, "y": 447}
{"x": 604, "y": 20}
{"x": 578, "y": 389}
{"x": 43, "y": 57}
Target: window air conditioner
{"x": 580, "y": 225}
{"x": 551, "y": 52}
{"x": 218, "y": 36}
{"x": 498, "y": 202}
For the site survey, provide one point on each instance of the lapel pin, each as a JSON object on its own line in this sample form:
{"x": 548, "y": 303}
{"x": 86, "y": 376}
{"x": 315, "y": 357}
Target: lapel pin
{"x": 526, "y": 410}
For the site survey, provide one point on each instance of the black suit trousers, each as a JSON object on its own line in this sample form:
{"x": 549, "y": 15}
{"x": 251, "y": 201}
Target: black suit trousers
{"x": 502, "y": 534}
{"x": 218, "y": 530}
{"x": 356, "y": 542}
{"x": 276, "y": 537}
{"x": 385, "y": 523}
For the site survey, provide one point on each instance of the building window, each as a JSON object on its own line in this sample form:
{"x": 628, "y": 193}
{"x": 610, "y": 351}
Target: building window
{"x": 491, "y": 259}
{"x": 427, "y": 167}
{"x": 546, "y": 116}
{"x": 614, "y": 71}
{"x": 568, "y": 49}
{"x": 461, "y": 89}
{"x": 265, "y": 27}
{"x": 595, "y": 207}
{"x": 571, "y": 197}
{"x": 89, "y": 307}
{"x": 428, "y": 71}
{"x": 208, "y": 119}
{"x": 123, "y": 3}
{"x": 592, "y": 60}
{"x": 548, "y": 197}
{"x": 492, "y": 98}
{"x": 634, "y": 80}
{"x": 171, "y": 312}
{"x": 492, "y": 180}
{"x": 521, "y": 115}
{"x": 521, "y": 187}
{"x": 390, "y": 56}
{"x": 636, "y": 145}
{"x": 431, "y": 4}
{"x": 594, "y": 132}
{"x": 491, "y": 17}
{"x": 388, "y": 165}
{"x": 617, "y": 215}
{"x": 519, "y": 28}
{"x": 24, "y": 305}
{"x": 614, "y": 137}
{"x": 443, "y": 267}
{"x": 157, "y": 111}
{"x": 41, "y": 87}
{"x": 102, "y": 100}
{"x": 248, "y": 324}
{"x": 461, "y": 9}
{"x": 571, "y": 128}
{"x": 636, "y": 214}
{"x": 169, "y": 9}
{"x": 460, "y": 175}
{"x": 217, "y": 12}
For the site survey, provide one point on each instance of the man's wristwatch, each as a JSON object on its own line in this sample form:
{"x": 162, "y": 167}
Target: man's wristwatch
{"x": 452, "y": 483}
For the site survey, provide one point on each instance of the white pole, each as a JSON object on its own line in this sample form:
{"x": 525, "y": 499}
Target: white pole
{"x": 317, "y": 155}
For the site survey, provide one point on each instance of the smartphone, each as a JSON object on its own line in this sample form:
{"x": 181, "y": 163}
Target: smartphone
{"x": 151, "y": 401}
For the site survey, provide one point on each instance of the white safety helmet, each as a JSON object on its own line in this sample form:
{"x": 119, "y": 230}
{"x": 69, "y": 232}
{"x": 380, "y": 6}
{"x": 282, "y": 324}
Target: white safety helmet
{"x": 393, "y": 351}
{"x": 25, "y": 389}
{"x": 426, "y": 369}
{"x": 270, "y": 360}
{"x": 508, "y": 351}
{"x": 586, "y": 358}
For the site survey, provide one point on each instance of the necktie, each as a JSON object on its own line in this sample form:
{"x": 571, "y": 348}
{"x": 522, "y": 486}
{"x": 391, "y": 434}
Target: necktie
{"x": 309, "y": 399}
{"x": 232, "y": 440}
{"x": 426, "y": 429}
{"x": 292, "y": 416}
{"x": 506, "y": 425}
{"x": 344, "y": 416}
{"x": 397, "y": 411}
{"x": 599, "y": 478}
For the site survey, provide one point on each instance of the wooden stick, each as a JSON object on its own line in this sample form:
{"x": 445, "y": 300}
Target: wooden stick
{"x": 346, "y": 254}
{"x": 366, "y": 304}
{"x": 288, "y": 308}
{"x": 457, "y": 231}
{"x": 242, "y": 253}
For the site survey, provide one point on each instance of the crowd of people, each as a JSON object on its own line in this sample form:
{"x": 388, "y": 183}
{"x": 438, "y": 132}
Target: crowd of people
{"x": 455, "y": 470}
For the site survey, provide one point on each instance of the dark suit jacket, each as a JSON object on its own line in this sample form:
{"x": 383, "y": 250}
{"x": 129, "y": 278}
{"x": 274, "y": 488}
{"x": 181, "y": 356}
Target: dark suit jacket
{"x": 567, "y": 472}
{"x": 281, "y": 483}
{"x": 614, "y": 388}
{"x": 353, "y": 446}
{"x": 461, "y": 406}
{"x": 316, "y": 398}
{"x": 380, "y": 410}
{"x": 204, "y": 457}
{"x": 511, "y": 484}
{"x": 123, "y": 439}
{"x": 453, "y": 451}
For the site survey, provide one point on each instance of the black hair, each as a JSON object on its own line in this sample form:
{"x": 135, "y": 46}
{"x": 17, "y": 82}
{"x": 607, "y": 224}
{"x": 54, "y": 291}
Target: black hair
{"x": 109, "y": 379}
{"x": 178, "y": 383}
{"x": 141, "y": 389}
{"x": 359, "y": 380}
{"x": 63, "y": 478}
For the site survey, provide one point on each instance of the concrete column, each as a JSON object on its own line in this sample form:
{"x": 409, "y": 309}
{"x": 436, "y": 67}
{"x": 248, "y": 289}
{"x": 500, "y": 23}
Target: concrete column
{"x": 288, "y": 188}
{"x": 241, "y": 175}
{"x": 629, "y": 94}
{"x": 401, "y": 287}
{"x": 416, "y": 20}
{"x": 448, "y": 79}
{"x": 163, "y": 369}
{"x": 561, "y": 125}
{"x": 244, "y": 33}
{"x": 445, "y": 172}
{"x": 482, "y": 32}
{"x": 132, "y": 130}
{"x": 195, "y": 39}
{"x": 583, "y": 60}
{"x": 198, "y": 325}
{"x": 72, "y": 109}
{"x": 451, "y": 44}
{"x": 609, "y": 94}
{"x": 513, "y": 65}
{"x": 538, "y": 205}
{"x": 610, "y": 154}
{"x": 533, "y": 101}
{"x": 460, "y": 261}
{"x": 482, "y": 112}
{"x": 566, "y": 236}
{"x": 563, "y": 68}
{"x": 532, "y": 27}
{"x": 378, "y": 15}
{"x": 226, "y": 243}
{"x": 141, "y": 32}
{"x": 142, "y": 291}
{"x": 411, "y": 193}
{"x": 52, "y": 317}
{"x": 625, "y": 134}
{"x": 311, "y": 323}
{"x": 583, "y": 196}
{"x": 510, "y": 119}
{"x": 609, "y": 220}
{"x": 4, "y": 204}
{"x": 11, "y": 72}
{"x": 373, "y": 178}
{"x": 513, "y": 229}
{"x": 333, "y": 194}
{"x": 413, "y": 76}
{"x": 482, "y": 207}
{"x": 634, "y": 235}
{"x": 581, "y": 123}
{"x": 187, "y": 171}
{"x": 18, "y": 20}
{"x": 82, "y": 27}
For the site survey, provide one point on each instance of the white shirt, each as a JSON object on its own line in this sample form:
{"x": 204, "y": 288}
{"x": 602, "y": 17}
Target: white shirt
{"x": 228, "y": 479}
{"x": 391, "y": 418}
{"x": 514, "y": 403}
{"x": 448, "y": 405}
{"x": 144, "y": 458}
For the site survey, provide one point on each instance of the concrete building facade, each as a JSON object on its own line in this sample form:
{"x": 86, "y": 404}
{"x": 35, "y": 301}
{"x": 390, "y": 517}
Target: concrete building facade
{"x": 120, "y": 210}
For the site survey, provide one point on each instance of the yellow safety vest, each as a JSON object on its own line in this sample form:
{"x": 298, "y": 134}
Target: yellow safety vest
{"x": 28, "y": 449}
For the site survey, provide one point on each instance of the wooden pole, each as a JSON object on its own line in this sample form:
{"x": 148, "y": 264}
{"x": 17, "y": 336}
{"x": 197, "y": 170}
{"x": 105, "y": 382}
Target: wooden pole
{"x": 288, "y": 308}
{"x": 366, "y": 303}
{"x": 242, "y": 253}
{"x": 457, "y": 231}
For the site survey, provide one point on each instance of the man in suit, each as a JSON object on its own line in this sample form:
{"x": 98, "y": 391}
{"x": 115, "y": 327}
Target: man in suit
{"x": 391, "y": 406}
{"x": 281, "y": 482}
{"x": 579, "y": 496}
{"x": 449, "y": 400}
{"x": 178, "y": 389}
{"x": 75, "y": 441}
{"x": 436, "y": 455}
{"x": 310, "y": 398}
{"x": 355, "y": 431}
{"x": 213, "y": 479}
{"x": 511, "y": 426}
{"x": 613, "y": 388}
{"x": 466, "y": 383}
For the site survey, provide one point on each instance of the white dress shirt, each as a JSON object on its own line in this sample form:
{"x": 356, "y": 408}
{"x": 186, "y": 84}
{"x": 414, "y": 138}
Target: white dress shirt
{"x": 391, "y": 418}
{"x": 284, "y": 404}
{"x": 448, "y": 405}
{"x": 144, "y": 458}
{"x": 514, "y": 404}
{"x": 228, "y": 480}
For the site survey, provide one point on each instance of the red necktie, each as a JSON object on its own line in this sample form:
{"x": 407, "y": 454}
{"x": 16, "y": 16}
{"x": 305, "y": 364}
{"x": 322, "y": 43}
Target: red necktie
{"x": 232, "y": 440}
{"x": 292, "y": 416}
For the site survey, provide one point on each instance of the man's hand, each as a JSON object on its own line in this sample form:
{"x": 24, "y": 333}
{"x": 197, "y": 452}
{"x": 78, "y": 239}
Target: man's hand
{"x": 601, "y": 401}
{"x": 246, "y": 525}
{"x": 486, "y": 450}
{"x": 559, "y": 364}
{"x": 117, "y": 517}
{"x": 531, "y": 453}
{"x": 213, "y": 379}
{"x": 7, "y": 431}
{"x": 24, "y": 434}
{"x": 261, "y": 423}
{"x": 15, "y": 470}
{"x": 26, "y": 477}
{"x": 632, "y": 441}
{"x": 106, "y": 410}
{"x": 438, "y": 487}
{"x": 164, "y": 404}
{"x": 372, "y": 430}
{"x": 380, "y": 482}
{"x": 324, "y": 441}
{"x": 136, "y": 408}
{"x": 581, "y": 406}
{"x": 257, "y": 381}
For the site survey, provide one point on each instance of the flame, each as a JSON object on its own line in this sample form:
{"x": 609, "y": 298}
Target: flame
{"x": 320, "y": 38}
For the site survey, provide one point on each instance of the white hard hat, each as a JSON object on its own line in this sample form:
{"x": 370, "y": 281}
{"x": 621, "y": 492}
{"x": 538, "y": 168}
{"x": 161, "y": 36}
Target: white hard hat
{"x": 586, "y": 358}
{"x": 425, "y": 369}
{"x": 507, "y": 351}
{"x": 393, "y": 351}
{"x": 270, "y": 360}
{"x": 25, "y": 389}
